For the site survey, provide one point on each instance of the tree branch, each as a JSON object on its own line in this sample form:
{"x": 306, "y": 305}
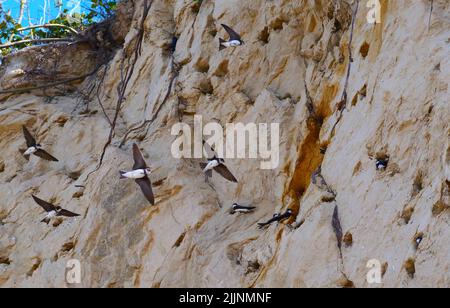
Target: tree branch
{"x": 43, "y": 40}
{"x": 49, "y": 26}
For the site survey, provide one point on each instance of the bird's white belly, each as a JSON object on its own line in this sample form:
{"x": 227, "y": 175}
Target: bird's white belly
{"x": 242, "y": 210}
{"x": 30, "y": 151}
{"x": 135, "y": 174}
{"x": 211, "y": 165}
{"x": 51, "y": 215}
{"x": 234, "y": 43}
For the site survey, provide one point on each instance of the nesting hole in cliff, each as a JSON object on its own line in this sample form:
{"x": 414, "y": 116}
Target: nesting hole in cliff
{"x": 57, "y": 222}
{"x": 61, "y": 121}
{"x": 5, "y": 260}
{"x": 357, "y": 169}
{"x": 74, "y": 175}
{"x": 213, "y": 32}
{"x": 364, "y": 50}
{"x": 264, "y": 36}
{"x": 382, "y": 160}
{"x": 234, "y": 253}
{"x": 355, "y": 99}
{"x": 328, "y": 198}
{"x": 67, "y": 247}
{"x": 36, "y": 264}
{"x": 207, "y": 88}
{"x": 362, "y": 93}
{"x": 169, "y": 47}
{"x": 348, "y": 239}
{"x": 2, "y": 166}
{"x": 337, "y": 26}
{"x": 159, "y": 182}
{"x": 278, "y": 23}
{"x": 418, "y": 184}
{"x": 78, "y": 195}
{"x": 384, "y": 269}
{"x": 346, "y": 283}
{"x": 439, "y": 207}
{"x": 180, "y": 240}
{"x": 410, "y": 267}
{"x": 222, "y": 69}
{"x": 417, "y": 240}
{"x": 407, "y": 214}
{"x": 253, "y": 267}
{"x": 202, "y": 65}
{"x": 437, "y": 67}
{"x": 195, "y": 7}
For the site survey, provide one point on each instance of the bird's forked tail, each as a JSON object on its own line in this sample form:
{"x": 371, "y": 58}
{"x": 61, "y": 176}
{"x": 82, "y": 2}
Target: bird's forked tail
{"x": 221, "y": 44}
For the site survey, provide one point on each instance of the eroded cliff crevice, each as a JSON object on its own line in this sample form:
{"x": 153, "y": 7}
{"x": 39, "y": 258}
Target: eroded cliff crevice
{"x": 345, "y": 92}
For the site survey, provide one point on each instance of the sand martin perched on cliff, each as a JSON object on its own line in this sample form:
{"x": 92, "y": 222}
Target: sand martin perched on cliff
{"x": 382, "y": 164}
{"x": 234, "y": 41}
{"x": 140, "y": 174}
{"x": 34, "y": 147}
{"x": 236, "y": 208}
{"x": 52, "y": 210}
{"x": 276, "y": 218}
{"x": 217, "y": 164}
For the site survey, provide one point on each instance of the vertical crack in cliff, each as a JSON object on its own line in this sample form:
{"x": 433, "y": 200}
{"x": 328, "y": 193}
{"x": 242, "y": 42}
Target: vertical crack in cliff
{"x": 344, "y": 100}
{"x": 431, "y": 14}
{"x": 337, "y": 229}
{"x": 97, "y": 94}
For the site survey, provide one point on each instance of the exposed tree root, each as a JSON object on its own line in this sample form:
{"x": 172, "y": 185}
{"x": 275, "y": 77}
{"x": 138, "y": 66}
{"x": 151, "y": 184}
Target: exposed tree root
{"x": 125, "y": 79}
{"x": 49, "y": 85}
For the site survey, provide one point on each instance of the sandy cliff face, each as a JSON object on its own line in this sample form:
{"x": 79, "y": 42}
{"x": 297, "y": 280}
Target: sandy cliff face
{"x": 292, "y": 70}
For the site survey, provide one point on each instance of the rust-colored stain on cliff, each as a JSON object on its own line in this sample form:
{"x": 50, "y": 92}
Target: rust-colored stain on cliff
{"x": 309, "y": 154}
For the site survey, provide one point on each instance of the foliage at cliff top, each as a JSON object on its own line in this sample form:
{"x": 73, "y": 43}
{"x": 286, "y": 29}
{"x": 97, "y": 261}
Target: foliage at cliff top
{"x": 17, "y": 32}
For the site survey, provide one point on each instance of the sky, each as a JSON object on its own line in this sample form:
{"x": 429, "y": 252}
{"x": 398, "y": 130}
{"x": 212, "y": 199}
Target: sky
{"x": 41, "y": 11}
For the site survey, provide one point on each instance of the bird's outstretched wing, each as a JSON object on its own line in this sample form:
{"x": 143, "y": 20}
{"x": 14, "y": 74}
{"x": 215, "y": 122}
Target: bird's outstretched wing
{"x": 48, "y": 207}
{"x": 146, "y": 187}
{"x": 223, "y": 171}
{"x": 28, "y": 137}
{"x": 233, "y": 34}
{"x": 44, "y": 155}
{"x": 209, "y": 172}
{"x": 67, "y": 213}
{"x": 275, "y": 218}
{"x": 139, "y": 162}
